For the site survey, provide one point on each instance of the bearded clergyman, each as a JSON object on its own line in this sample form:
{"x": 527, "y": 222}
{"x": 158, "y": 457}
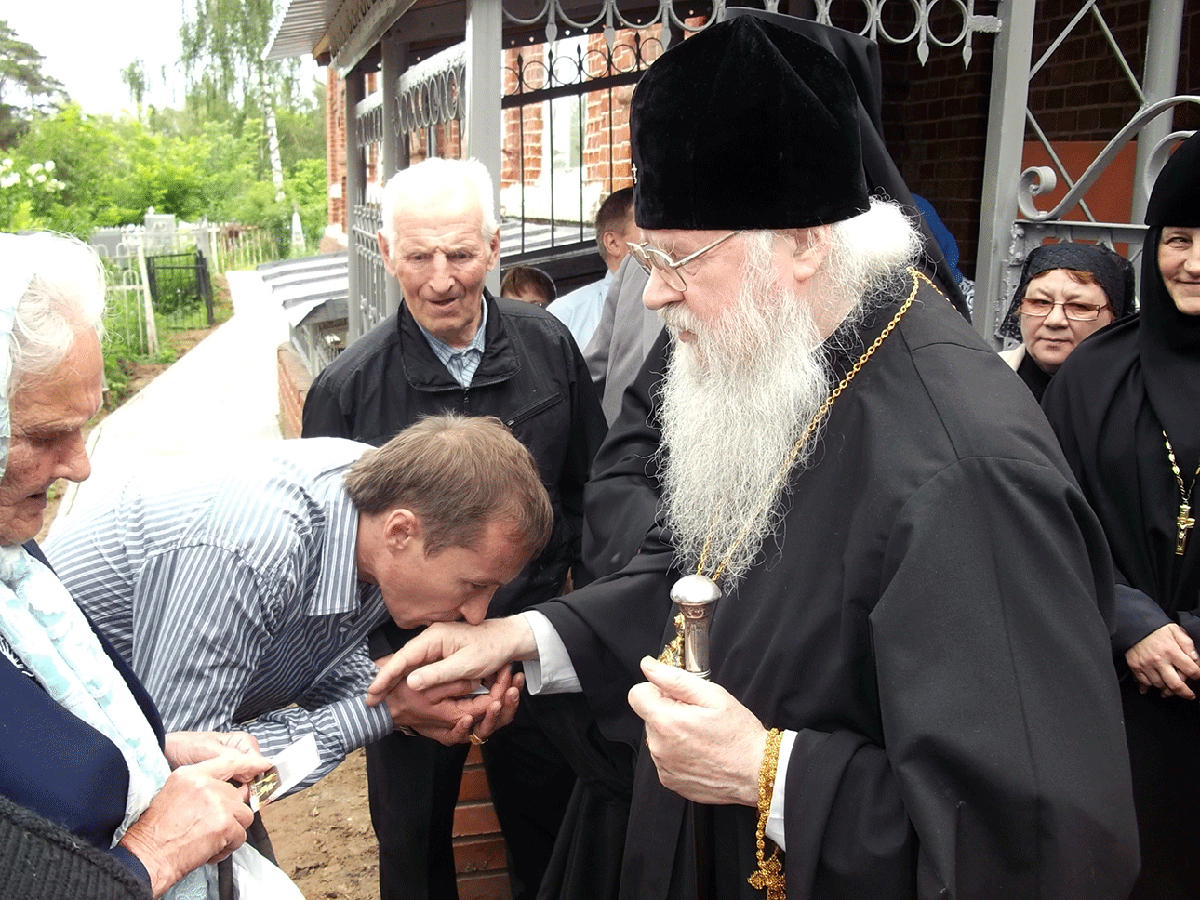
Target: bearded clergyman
{"x": 909, "y": 691}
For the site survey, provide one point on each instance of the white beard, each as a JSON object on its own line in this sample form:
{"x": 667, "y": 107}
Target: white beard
{"x": 734, "y": 402}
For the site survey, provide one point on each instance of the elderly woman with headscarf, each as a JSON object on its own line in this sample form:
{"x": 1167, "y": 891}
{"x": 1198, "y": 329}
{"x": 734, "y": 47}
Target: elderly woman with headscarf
{"x": 80, "y": 741}
{"x": 1066, "y": 293}
{"x": 1126, "y": 407}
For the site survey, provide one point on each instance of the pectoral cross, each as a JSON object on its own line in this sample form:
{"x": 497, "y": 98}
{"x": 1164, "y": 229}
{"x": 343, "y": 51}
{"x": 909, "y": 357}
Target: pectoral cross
{"x": 1184, "y": 523}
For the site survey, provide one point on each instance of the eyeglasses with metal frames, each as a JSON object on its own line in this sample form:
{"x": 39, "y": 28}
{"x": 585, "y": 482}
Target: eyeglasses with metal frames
{"x": 1039, "y": 308}
{"x": 654, "y": 260}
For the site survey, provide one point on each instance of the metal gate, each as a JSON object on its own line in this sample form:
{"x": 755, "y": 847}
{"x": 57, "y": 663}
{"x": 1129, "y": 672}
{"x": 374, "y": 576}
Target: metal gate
{"x": 180, "y": 286}
{"x": 445, "y": 95}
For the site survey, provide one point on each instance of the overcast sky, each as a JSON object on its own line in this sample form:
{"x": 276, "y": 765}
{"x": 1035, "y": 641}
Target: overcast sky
{"x": 86, "y": 45}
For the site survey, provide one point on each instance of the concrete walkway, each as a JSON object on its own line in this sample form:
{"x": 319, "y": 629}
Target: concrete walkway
{"x": 218, "y": 403}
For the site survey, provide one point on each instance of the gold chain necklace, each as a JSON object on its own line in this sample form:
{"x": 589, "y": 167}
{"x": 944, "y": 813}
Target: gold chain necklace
{"x": 1184, "y": 522}
{"x": 673, "y": 652}
{"x": 702, "y": 592}
{"x": 815, "y": 423}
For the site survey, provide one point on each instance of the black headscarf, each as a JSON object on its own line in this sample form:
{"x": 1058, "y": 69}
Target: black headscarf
{"x": 1118, "y": 391}
{"x": 1113, "y": 272}
{"x": 1169, "y": 340}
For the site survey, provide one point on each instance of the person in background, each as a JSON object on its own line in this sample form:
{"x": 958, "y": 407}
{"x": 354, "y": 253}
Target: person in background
{"x": 949, "y": 247}
{"x": 1126, "y": 408}
{"x": 909, "y": 690}
{"x": 452, "y": 347}
{"x": 81, "y": 743}
{"x": 580, "y": 309}
{"x": 528, "y": 283}
{"x": 1066, "y": 293}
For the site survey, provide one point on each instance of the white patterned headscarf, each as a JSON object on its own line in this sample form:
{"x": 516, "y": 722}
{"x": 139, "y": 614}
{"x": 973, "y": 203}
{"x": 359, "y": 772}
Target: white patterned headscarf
{"x": 42, "y": 629}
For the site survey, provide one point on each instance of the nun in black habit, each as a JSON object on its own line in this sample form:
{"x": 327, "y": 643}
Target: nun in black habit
{"x": 1066, "y": 293}
{"x": 1126, "y": 408}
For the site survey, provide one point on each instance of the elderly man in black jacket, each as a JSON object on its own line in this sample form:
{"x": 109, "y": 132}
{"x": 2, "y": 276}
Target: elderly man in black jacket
{"x": 452, "y": 347}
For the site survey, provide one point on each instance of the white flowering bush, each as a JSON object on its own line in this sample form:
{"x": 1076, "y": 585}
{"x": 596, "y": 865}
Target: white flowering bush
{"x": 21, "y": 187}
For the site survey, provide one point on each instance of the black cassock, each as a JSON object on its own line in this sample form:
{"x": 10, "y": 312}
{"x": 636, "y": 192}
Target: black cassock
{"x": 929, "y": 622}
{"x": 1109, "y": 405}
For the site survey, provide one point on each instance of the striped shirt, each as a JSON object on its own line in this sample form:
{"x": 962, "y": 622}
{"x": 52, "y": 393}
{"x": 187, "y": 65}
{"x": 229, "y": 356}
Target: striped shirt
{"x": 461, "y": 363}
{"x": 236, "y": 599}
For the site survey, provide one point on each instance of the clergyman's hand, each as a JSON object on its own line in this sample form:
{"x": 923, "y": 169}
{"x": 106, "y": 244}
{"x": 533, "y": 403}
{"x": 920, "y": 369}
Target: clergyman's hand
{"x": 707, "y": 746}
{"x": 454, "y": 651}
{"x": 1163, "y": 659}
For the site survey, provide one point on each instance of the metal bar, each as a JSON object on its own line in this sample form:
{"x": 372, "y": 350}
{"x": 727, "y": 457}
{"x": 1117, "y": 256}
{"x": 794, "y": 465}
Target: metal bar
{"x": 571, "y": 90}
{"x": 1163, "y": 32}
{"x": 1057, "y": 160}
{"x": 1062, "y": 36}
{"x": 1002, "y": 158}
{"x": 482, "y": 137}
{"x": 355, "y": 190}
{"x": 392, "y": 63}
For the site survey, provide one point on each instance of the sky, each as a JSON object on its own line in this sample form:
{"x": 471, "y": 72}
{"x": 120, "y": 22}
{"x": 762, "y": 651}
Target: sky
{"x": 86, "y": 45}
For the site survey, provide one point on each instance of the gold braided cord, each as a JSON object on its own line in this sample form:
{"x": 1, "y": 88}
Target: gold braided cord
{"x": 815, "y": 422}
{"x": 769, "y": 876}
{"x": 1184, "y": 523}
{"x": 1184, "y": 493}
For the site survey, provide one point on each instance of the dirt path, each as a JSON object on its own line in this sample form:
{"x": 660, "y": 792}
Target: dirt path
{"x": 322, "y": 836}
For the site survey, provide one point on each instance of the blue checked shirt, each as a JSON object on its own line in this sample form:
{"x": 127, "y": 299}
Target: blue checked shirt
{"x": 236, "y": 599}
{"x": 460, "y": 363}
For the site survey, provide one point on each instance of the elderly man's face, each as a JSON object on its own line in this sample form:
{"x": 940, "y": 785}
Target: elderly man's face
{"x": 48, "y": 415}
{"x": 712, "y": 280}
{"x": 441, "y": 259}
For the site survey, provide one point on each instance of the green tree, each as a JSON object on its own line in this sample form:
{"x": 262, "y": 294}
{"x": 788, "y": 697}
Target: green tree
{"x": 134, "y": 76}
{"x": 24, "y": 89}
{"x": 89, "y": 161}
{"x": 222, "y": 50}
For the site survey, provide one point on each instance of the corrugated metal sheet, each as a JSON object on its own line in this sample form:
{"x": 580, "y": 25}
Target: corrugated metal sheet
{"x": 300, "y": 28}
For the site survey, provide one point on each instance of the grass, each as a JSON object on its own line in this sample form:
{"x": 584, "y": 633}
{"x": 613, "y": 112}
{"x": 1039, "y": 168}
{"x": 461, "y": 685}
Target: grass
{"x": 128, "y": 364}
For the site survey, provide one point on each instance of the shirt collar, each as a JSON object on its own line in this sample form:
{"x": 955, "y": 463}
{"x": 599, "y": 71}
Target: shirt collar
{"x": 444, "y": 351}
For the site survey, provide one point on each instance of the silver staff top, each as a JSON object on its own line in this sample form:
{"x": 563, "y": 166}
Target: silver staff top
{"x": 696, "y": 596}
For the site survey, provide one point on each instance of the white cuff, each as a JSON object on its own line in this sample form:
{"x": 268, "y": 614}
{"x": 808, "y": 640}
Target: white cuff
{"x": 552, "y": 672}
{"x": 774, "y": 829}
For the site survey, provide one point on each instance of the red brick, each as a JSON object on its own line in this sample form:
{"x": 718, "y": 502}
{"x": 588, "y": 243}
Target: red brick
{"x": 472, "y": 855}
{"x": 491, "y": 886}
{"x": 475, "y": 819}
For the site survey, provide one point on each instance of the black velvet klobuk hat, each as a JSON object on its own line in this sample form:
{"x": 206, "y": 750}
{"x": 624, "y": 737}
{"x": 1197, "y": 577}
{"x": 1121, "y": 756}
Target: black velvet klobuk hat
{"x": 746, "y": 126}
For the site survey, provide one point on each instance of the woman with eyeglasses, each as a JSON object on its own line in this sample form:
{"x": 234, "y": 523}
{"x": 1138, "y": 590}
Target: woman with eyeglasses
{"x": 1066, "y": 292}
{"x": 1126, "y": 408}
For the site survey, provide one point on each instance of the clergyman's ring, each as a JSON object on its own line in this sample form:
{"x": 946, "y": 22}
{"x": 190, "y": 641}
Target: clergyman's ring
{"x": 477, "y": 740}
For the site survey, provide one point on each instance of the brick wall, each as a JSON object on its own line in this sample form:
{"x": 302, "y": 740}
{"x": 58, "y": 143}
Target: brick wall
{"x": 521, "y": 145}
{"x": 480, "y": 855}
{"x": 294, "y": 382}
{"x": 935, "y": 116}
{"x": 335, "y": 150}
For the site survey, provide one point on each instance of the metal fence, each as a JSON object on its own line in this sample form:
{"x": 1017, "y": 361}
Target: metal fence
{"x": 181, "y": 289}
{"x": 160, "y": 276}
